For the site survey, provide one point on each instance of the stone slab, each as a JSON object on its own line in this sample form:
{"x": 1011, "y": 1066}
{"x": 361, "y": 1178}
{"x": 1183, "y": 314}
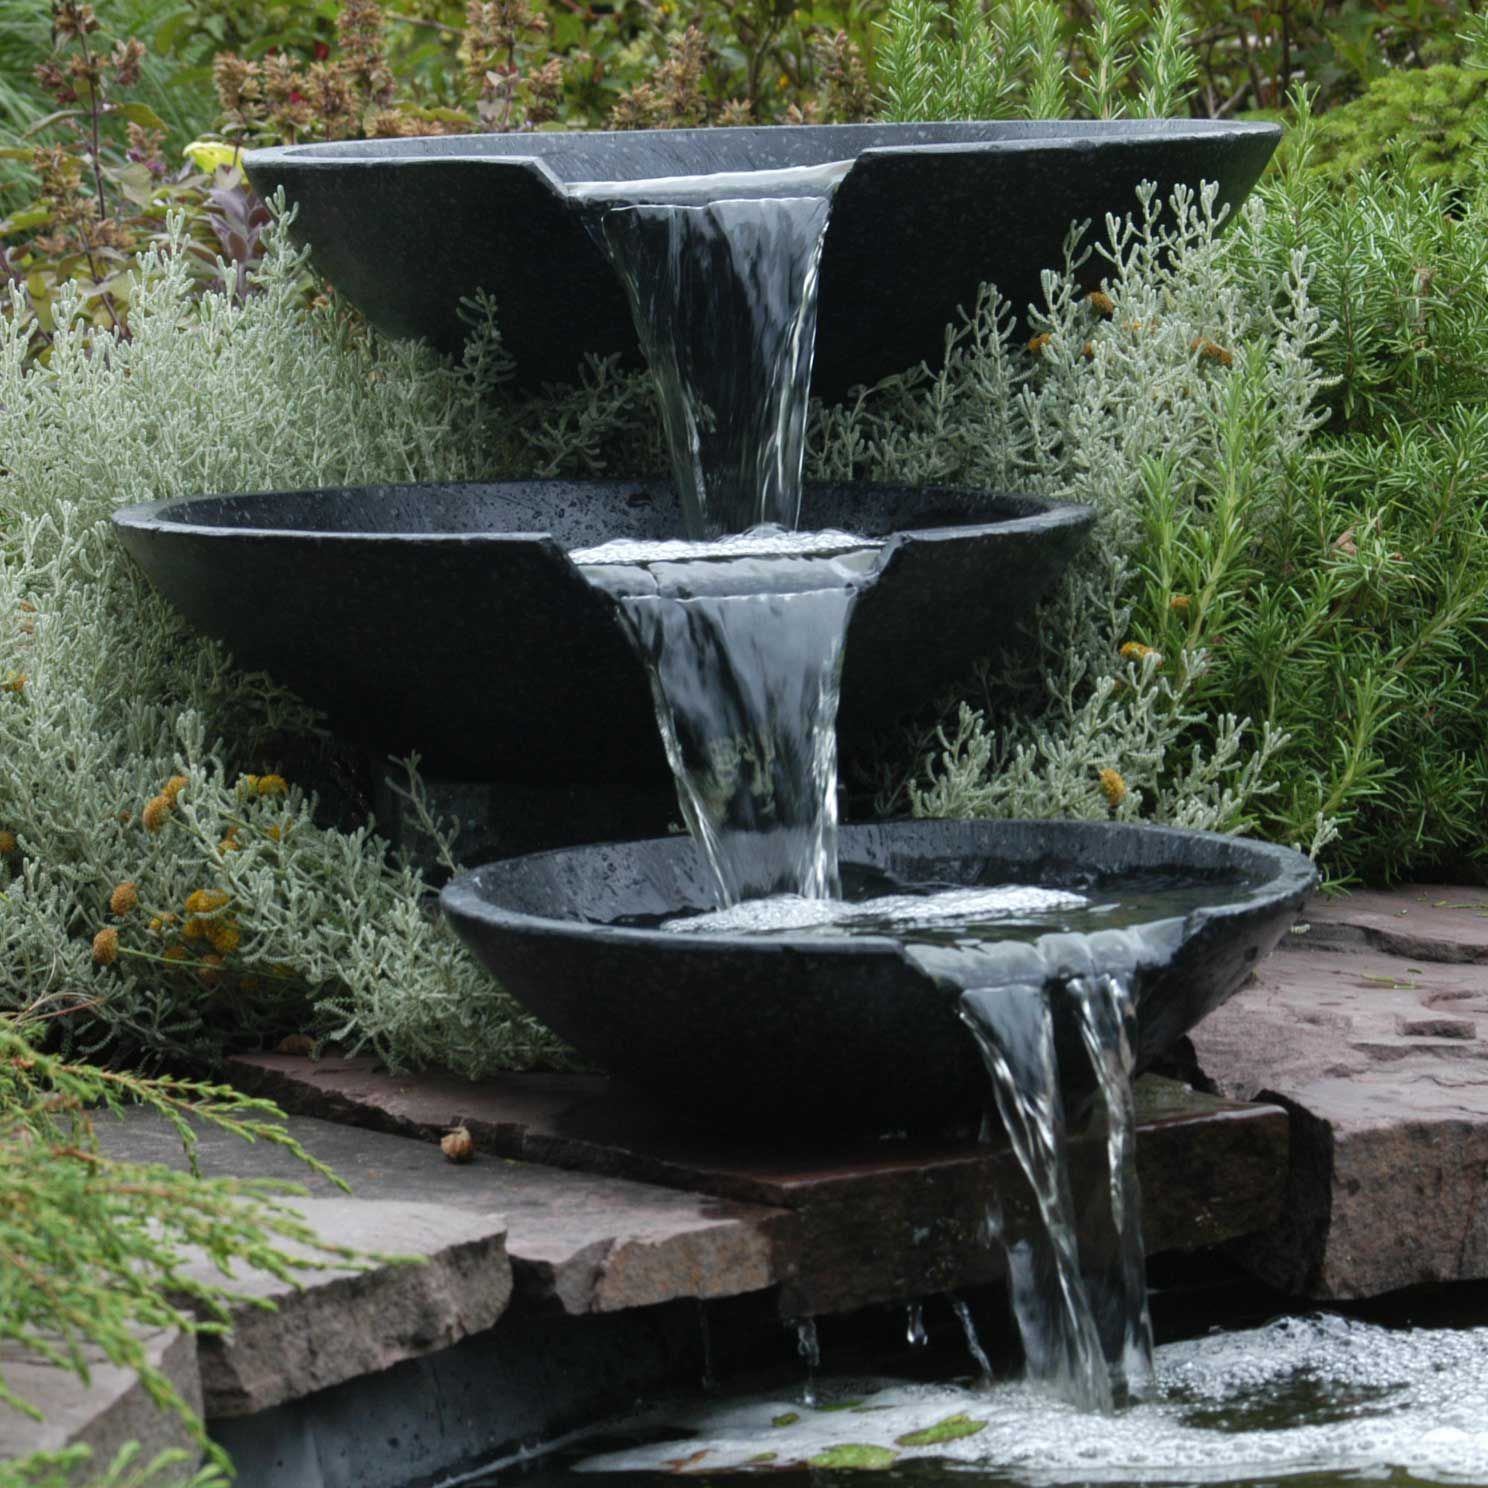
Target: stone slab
{"x": 337, "y": 1325}
{"x": 1434, "y": 921}
{"x": 432, "y": 1421}
{"x": 875, "y": 1222}
{"x": 580, "y": 1244}
{"x": 1372, "y": 1030}
{"x": 111, "y": 1409}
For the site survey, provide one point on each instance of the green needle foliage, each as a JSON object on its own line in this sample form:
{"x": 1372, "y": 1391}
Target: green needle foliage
{"x": 960, "y": 59}
{"x": 172, "y": 1469}
{"x": 96, "y": 1252}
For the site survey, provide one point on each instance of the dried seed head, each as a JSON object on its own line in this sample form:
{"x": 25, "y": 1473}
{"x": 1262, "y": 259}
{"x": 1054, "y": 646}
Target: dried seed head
{"x": 174, "y": 786}
{"x": 156, "y": 813}
{"x": 124, "y": 898}
{"x": 458, "y": 1145}
{"x": 224, "y": 935}
{"x": 1037, "y": 343}
{"x": 8, "y": 843}
{"x": 106, "y": 946}
{"x": 1101, "y": 302}
{"x": 1212, "y": 351}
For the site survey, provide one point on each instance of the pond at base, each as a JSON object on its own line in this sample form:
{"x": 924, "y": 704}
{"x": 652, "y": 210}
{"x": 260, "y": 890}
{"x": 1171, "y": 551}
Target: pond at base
{"x": 1307, "y": 1401}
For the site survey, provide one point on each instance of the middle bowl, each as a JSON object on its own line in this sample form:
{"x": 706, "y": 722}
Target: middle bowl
{"x": 450, "y": 619}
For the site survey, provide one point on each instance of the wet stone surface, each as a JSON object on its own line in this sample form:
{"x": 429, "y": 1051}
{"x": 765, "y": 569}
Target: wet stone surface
{"x": 567, "y": 1244}
{"x": 1369, "y": 1028}
{"x": 852, "y": 1223}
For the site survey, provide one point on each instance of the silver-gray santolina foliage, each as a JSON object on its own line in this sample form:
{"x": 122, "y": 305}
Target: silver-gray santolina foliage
{"x": 156, "y": 878}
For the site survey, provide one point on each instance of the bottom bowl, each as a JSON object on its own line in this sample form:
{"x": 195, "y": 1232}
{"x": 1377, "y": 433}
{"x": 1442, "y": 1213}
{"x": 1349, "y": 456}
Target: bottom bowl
{"x": 851, "y": 1032}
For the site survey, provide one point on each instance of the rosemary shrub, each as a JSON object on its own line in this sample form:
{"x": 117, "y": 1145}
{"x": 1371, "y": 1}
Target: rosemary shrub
{"x": 959, "y": 59}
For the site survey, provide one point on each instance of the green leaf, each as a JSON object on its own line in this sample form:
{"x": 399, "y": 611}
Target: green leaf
{"x": 25, "y": 220}
{"x": 141, "y": 114}
{"x": 50, "y": 119}
{"x": 855, "y": 1454}
{"x": 953, "y": 1428}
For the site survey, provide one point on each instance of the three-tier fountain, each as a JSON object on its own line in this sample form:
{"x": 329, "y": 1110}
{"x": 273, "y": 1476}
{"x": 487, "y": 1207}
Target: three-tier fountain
{"x": 772, "y": 968}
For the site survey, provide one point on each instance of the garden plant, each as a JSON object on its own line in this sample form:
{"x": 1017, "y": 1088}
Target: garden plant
{"x": 1279, "y": 626}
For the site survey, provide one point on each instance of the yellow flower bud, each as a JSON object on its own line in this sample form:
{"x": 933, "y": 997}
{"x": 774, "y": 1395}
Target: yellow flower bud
{"x": 1113, "y": 785}
{"x": 204, "y": 901}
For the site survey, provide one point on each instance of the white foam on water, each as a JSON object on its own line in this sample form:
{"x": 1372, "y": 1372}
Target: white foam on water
{"x": 782, "y": 912}
{"x": 781, "y": 183}
{"x": 1301, "y": 1395}
{"x": 764, "y": 541}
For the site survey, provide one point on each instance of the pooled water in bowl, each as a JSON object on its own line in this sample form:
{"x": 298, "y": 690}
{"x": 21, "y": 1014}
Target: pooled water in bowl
{"x": 879, "y": 904}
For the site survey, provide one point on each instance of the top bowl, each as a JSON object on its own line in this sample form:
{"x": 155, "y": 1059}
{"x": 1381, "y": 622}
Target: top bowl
{"x": 407, "y": 228}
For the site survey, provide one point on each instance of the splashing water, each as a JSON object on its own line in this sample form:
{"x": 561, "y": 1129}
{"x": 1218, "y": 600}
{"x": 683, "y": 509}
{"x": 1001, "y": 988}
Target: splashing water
{"x": 809, "y": 1348}
{"x": 722, "y": 282}
{"x": 1326, "y": 1395}
{"x": 969, "y": 1332}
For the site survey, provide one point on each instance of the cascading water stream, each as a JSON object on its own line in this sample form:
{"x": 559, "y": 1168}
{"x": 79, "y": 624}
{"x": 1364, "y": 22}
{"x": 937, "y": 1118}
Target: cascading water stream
{"x": 744, "y": 654}
{"x": 1077, "y": 1277}
{"x": 721, "y": 273}
{"x": 743, "y": 639}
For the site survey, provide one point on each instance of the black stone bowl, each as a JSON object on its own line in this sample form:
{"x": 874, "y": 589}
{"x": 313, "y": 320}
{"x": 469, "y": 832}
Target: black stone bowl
{"x": 836, "y": 1034}
{"x": 450, "y": 620}
{"x": 406, "y": 228}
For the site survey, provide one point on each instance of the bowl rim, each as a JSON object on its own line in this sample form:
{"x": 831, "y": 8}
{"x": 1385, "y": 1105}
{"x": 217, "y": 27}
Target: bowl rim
{"x": 1024, "y": 135}
{"x": 155, "y": 516}
{"x": 1290, "y": 873}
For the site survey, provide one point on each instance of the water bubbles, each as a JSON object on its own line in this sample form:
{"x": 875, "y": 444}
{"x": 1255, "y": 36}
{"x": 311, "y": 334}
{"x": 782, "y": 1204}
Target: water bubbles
{"x": 1298, "y": 1396}
{"x": 884, "y": 914}
{"x": 768, "y": 540}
